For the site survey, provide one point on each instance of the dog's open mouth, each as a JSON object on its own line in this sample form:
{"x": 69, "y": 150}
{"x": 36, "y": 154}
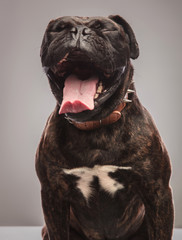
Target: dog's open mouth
{"x": 83, "y": 83}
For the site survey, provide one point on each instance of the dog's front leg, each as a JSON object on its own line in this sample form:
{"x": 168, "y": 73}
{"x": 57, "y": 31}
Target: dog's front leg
{"x": 56, "y": 214}
{"x": 159, "y": 212}
{"x": 157, "y": 198}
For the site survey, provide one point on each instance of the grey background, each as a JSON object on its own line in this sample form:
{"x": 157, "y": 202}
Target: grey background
{"x": 26, "y": 100}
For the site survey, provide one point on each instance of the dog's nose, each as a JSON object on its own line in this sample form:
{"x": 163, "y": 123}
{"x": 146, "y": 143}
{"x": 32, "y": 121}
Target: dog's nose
{"x": 79, "y": 31}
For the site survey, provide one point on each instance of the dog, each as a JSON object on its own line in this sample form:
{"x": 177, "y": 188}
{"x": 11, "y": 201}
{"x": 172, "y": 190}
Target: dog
{"x": 103, "y": 168}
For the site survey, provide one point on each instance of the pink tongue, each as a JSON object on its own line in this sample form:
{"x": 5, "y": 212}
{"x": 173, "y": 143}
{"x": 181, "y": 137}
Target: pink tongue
{"x": 78, "y": 95}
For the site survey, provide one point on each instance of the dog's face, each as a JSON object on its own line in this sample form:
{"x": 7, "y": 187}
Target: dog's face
{"x": 86, "y": 61}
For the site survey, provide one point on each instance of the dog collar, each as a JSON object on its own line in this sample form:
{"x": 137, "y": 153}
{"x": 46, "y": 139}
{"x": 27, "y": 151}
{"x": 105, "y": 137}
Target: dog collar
{"x": 112, "y": 118}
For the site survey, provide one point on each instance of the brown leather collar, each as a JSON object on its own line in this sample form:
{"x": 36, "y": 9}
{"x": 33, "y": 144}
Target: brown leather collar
{"x": 112, "y": 118}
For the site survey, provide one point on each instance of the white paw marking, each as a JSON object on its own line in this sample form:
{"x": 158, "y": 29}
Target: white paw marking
{"x": 86, "y": 176}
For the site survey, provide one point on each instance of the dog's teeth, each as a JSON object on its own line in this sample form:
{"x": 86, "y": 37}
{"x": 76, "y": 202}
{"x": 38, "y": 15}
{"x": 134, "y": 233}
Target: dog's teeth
{"x": 96, "y": 95}
{"x": 130, "y": 91}
{"x": 127, "y": 100}
{"x": 66, "y": 55}
{"x": 99, "y": 89}
{"x": 64, "y": 59}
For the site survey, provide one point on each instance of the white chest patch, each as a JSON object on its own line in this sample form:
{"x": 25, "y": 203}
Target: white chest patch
{"x": 86, "y": 176}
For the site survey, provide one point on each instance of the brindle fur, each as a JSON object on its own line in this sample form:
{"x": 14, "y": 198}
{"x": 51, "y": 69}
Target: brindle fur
{"x": 143, "y": 211}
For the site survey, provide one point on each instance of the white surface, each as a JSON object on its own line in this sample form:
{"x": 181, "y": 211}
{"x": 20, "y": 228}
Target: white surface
{"x": 34, "y": 233}
{"x": 20, "y": 233}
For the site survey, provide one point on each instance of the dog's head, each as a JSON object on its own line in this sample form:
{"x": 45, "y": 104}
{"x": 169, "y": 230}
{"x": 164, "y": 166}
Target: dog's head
{"x": 87, "y": 61}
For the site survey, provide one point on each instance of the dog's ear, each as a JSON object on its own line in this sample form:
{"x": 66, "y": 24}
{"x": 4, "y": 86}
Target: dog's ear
{"x": 134, "y": 49}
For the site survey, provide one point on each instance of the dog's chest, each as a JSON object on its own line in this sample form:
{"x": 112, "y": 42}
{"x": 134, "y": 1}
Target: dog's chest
{"x": 85, "y": 178}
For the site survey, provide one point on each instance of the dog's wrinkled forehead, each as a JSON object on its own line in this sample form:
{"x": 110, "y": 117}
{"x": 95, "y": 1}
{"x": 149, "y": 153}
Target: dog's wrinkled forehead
{"x": 87, "y": 21}
{"x": 97, "y": 30}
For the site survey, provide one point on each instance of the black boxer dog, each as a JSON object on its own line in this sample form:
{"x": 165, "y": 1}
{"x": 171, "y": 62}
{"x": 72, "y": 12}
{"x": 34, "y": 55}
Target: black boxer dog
{"x": 103, "y": 168}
